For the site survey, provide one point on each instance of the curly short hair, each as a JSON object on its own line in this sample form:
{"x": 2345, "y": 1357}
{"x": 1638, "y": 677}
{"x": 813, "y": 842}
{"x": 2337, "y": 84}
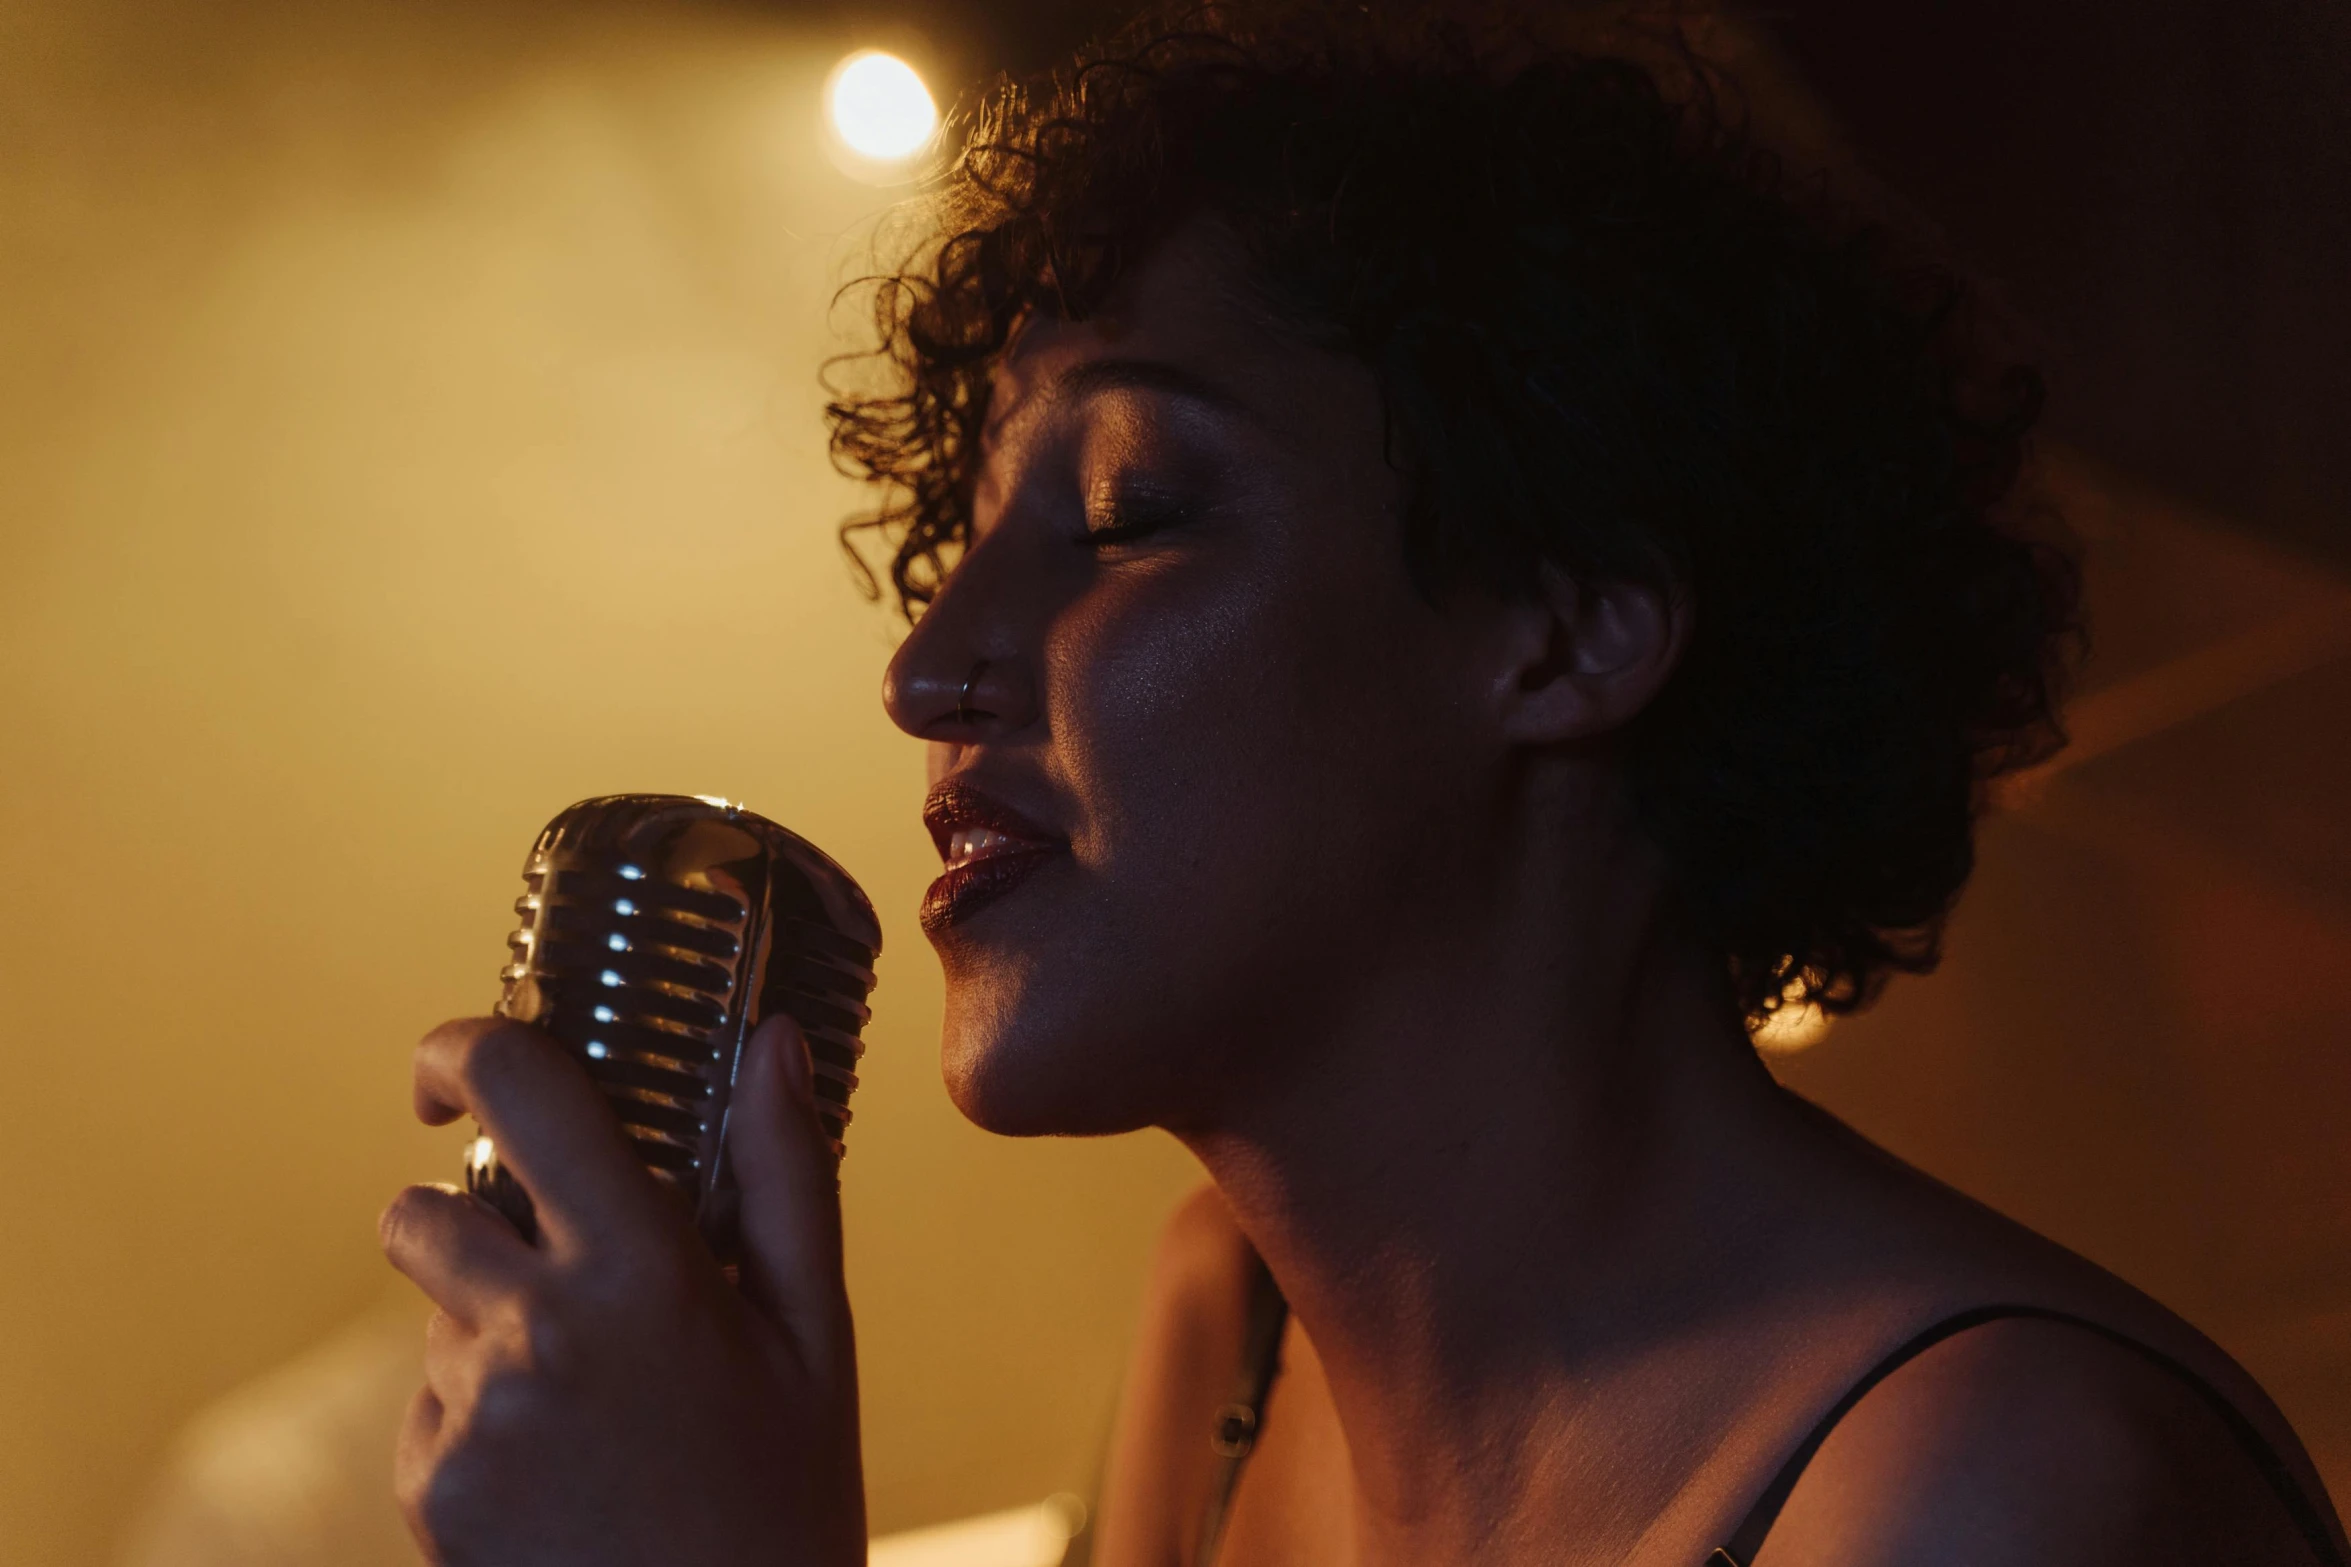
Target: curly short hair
{"x": 1613, "y": 332}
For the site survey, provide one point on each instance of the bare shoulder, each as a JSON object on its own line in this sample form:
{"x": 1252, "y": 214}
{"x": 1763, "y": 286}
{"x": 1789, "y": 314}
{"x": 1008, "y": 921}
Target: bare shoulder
{"x": 1202, "y": 1257}
{"x": 2025, "y": 1442}
{"x": 1187, "y": 1348}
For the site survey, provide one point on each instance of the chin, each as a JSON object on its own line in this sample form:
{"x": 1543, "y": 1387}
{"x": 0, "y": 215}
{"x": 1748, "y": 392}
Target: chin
{"x": 1088, "y": 1011}
{"x": 1020, "y": 1068}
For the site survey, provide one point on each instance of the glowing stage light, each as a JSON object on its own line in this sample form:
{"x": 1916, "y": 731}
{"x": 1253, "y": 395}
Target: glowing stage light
{"x": 879, "y": 110}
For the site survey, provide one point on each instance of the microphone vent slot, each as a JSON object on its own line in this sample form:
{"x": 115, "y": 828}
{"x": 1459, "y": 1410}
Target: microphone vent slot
{"x": 823, "y": 984}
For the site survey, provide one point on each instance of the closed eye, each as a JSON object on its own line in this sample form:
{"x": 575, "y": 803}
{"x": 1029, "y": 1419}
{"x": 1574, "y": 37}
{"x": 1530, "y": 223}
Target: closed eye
{"x": 1126, "y": 516}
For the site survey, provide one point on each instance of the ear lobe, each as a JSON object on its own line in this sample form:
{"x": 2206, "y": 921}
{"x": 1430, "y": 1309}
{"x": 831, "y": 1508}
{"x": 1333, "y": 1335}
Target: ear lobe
{"x": 1589, "y": 655}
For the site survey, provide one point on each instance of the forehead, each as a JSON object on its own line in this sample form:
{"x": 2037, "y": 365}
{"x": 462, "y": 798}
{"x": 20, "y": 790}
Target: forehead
{"x": 1183, "y": 321}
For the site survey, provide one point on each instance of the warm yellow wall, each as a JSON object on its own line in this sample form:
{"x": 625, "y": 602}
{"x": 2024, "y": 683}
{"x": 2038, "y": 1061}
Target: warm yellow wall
{"x": 408, "y": 425}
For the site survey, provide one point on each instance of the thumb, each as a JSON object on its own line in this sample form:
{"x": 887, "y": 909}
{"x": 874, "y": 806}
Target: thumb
{"x": 791, "y": 1218}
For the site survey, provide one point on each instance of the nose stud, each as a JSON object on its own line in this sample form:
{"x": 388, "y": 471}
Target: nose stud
{"x": 963, "y": 697}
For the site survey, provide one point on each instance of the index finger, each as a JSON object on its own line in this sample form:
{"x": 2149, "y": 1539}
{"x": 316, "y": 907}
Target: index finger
{"x": 552, "y": 1126}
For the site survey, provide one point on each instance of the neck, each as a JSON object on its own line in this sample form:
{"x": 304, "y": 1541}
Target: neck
{"x": 1483, "y": 1179}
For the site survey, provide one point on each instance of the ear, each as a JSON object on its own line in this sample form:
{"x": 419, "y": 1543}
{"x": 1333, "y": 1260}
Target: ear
{"x": 1580, "y": 658}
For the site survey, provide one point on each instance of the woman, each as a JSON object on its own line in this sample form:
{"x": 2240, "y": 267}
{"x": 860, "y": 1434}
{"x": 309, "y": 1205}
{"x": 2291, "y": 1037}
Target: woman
{"x": 1445, "y": 586}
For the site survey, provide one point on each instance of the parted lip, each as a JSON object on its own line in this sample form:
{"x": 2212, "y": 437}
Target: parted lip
{"x": 963, "y": 890}
{"x": 955, "y": 805}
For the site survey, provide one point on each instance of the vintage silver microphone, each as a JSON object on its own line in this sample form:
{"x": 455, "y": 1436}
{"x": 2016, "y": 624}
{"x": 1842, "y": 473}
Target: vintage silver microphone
{"x": 657, "y": 931}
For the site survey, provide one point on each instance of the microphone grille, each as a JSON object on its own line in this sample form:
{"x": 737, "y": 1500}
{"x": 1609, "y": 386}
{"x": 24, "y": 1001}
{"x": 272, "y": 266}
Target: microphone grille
{"x": 656, "y": 932}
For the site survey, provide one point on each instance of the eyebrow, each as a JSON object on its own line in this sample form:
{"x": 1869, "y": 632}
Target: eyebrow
{"x": 1143, "y": 375}
{"x": 1081, "y": 381}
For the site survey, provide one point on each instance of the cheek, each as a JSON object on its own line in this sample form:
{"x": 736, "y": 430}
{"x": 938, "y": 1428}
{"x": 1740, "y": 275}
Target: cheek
{"x": 1183, "y": 730}
{"x": 1245, "y": 753}
{"x": 1249, "y": 753}
{"x": 1194, "y": 724}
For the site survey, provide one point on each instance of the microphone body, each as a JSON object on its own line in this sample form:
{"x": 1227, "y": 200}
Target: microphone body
{"x": 657, "y": 932}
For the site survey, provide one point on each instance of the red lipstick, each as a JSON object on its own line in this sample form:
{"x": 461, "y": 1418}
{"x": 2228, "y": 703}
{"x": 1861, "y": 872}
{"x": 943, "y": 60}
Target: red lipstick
{"x": 989, "y": 849}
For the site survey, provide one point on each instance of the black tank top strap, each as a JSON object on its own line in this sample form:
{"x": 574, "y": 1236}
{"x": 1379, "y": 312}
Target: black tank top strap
{"x": 1747, "y": 1540}
{"x": 1234, "y": 1435}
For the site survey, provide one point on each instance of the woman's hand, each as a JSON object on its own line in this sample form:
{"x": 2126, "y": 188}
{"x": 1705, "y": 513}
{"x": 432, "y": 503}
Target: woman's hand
{"x": 605, "y": 1396}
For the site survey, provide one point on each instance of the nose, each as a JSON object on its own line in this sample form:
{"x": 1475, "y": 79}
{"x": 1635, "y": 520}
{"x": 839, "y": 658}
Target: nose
{"x": 948, "y": 684}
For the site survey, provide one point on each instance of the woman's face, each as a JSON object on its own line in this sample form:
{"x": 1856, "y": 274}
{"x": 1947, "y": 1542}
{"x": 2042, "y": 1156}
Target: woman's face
{"x": 1217, "y": 764}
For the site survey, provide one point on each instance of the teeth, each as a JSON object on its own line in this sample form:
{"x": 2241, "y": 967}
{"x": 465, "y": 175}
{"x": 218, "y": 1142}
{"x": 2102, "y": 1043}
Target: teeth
{"x": 967, "y": 844}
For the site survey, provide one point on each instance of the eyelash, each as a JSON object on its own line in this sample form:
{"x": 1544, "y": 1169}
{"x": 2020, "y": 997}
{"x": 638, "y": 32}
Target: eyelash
{"x": 1132, "y": 518}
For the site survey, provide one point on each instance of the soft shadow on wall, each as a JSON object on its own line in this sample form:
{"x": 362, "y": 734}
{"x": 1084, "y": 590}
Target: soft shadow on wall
{"x": 411, "y": 425}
